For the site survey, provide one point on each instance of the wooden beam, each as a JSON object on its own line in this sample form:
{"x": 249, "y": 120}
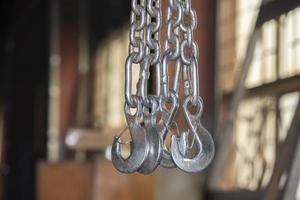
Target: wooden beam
{"x": 284, "y": 159}
{"x": 84, "y": 139}
{"x": 281, "y": 86}
{"x": 273, "y": 9}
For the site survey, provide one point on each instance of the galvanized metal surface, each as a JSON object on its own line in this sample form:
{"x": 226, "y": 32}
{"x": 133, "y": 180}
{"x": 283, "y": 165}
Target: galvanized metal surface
{"x": 147, "y": 141}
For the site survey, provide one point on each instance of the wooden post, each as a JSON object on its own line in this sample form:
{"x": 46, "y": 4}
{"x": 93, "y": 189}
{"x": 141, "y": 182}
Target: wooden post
{"x": 63, "y": 73}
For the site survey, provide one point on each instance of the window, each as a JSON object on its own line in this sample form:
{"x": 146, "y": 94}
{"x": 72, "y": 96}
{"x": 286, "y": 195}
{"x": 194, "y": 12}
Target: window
{"x": 262, "y": 120}
{"x": 109, "y": 78}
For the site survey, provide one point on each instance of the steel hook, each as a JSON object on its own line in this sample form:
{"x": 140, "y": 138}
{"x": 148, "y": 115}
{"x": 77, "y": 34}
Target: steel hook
{"x": 203, "y": 140}
{"x": 162, "y": 128}
{"x": 139, "y": 146}
{"x": 154, "y": 140}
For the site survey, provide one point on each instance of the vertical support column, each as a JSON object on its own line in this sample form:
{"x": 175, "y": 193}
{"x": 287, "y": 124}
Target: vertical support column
{"x": 84, "y": 94}
{"x": 54, "y": 90}
{"x": 63, "y": 73}
{"x": 69, "y": 53}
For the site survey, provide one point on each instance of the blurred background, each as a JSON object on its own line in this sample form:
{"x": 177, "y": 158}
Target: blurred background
{"x": 61, "y": 101}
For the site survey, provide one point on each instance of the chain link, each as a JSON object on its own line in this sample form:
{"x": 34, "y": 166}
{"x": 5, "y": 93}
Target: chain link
{"x": 189, "y": 52}
{"x": 136, "y": 47}
{"x": 179, "y": 46}
{"x": 171, "y": 48}
{"x": 152, "y": 51}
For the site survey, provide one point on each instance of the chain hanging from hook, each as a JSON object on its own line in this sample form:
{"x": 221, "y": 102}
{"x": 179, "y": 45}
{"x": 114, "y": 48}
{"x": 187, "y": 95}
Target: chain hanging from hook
{"x": 147, "y": 145}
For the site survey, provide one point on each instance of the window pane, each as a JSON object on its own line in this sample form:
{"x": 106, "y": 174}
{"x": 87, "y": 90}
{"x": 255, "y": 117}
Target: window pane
{"x": 289, "y": 52}
{"x": 269, "y": 68}
{"x": 297, "y": 58}
{"x": 296, "y": 23}
{"x": 109, "y": 80}
{"x": 287, "y": 106}
{"x": 255, "y": 140}
{"x": 254, "y": 77}
{"x": 269, "y": 30}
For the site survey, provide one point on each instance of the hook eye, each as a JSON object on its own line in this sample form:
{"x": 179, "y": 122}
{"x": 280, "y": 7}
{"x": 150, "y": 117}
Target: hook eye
{"x": 167, "y": 115}
{"x": 152, "y": 110}
{"x": 136, "y": 116}
{"x": 192, "y": 118}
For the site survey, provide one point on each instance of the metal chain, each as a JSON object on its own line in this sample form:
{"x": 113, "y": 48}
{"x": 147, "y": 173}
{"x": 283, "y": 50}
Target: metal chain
{"x": 152, "y": 58}
{"x": 185, "y": 52}
{"x": 144, "y": 51}
{"x": 189, "y": 52}
{"x": 136, "y": 48}
{"x": 171, "y": 48}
